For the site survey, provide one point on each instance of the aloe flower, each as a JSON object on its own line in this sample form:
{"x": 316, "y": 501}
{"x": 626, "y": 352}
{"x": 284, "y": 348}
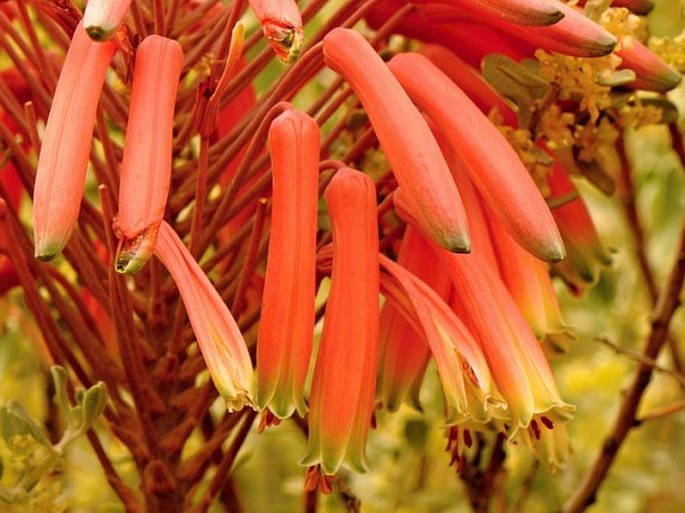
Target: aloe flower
{"x": 464, "y": 374}
{"x": 527, "y": 280}
{"x": 493, "y": 165}
{"x": 344, "y": 382}
{"x": 63, "y": 160}
{"x": 286, "y": 328}
{"x": 414, "y": 155}
{"x": 102, "y": 18}
{"x": 404, "y": 351}
{"x": 586, "y": 255}
{"x": 520, "y": 12}
{"x": 282, "y": 26}
{"x": 146, "y": 165}
{"x": 574, "y": 34}
{"x": 651, "y": 72}
{"x": 514, "y": 356}
{"x": 218, "y": 336}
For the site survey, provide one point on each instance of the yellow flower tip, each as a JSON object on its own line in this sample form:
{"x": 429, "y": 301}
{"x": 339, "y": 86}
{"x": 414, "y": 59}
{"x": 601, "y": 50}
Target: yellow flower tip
{"x": 285, "y": 39}
{"x": 134, "y": 253}
{"x": 236, "y": 402}
{"x": 555, "y": 252}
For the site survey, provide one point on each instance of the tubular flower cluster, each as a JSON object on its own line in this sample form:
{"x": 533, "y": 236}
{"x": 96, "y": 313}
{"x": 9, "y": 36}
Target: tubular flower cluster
{"x": 65, "y": 150}
{"x": 414, "y": 155}
{"x": 344, "y": 383}
{"x": 483, "y": 151}
{"x": 146, "y": 166}
{"x": 286, "y": 328}
{"x": 282, "y": 26}
{"x": 102, "y": 18}
{"x": 218, "y": 336}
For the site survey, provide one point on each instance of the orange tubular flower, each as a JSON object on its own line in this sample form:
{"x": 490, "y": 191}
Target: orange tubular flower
{"x": 414, "y": 155}
{"x": 282, "y": 26}
{"x": 493, "y": 165}
{"x": 520, "y": 12}
{"x": 529, "y": 284}
{"x": 286, "y": 328}
{"x": 146, "y": 166}
{"x": 218, "y": 336}
{"x": 344, "y": 383}
{"x": 404, "y": 352}
{"x": 586, "y": 255}
{"x": 652, "y": 73}
{"x": 515, "y": 358}
{"x": 574, "y": 35}
{"x": 65, "y": 150}
{"x": 464, "y": 374}
{"x": 102, "y": 18}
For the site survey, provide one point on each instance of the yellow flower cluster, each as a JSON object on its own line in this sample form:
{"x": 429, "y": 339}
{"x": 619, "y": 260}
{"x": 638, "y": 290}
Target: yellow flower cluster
{"x": 671, "y": 50}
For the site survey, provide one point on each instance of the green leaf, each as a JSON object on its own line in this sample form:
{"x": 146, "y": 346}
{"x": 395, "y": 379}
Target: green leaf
{"x": 17, "y": 424}
{"x": 94, "y": 402}
{"x": 616, "y": 78}
{"x": 519, "y": 82}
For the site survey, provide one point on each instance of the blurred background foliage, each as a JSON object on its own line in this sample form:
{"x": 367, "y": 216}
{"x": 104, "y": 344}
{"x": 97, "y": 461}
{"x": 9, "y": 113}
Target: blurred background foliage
{"x": 409, "y": 466}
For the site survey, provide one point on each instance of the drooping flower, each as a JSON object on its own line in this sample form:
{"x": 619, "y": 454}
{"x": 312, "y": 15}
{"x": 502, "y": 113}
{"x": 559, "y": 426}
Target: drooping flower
{"x": 520, "y": 12}
{"x": 282, "y": 26}
{"x": 414, "y": 155}
{"x": 404, "y": 351}
{"x": 146, "y": 165}
{"x": 515, "y": 357}
{"x": 493, "y": 165}
{"x": 466, "y": 381}
{"x": 344, "y": 382}
{"x": 286, "y": 328}
{"x": 527, "y": 280}
{"x": 102, "y": 18}
{"x": 218, "y": 336}
{"x": 63, "y": 160}
{"x": 651, "y": 72}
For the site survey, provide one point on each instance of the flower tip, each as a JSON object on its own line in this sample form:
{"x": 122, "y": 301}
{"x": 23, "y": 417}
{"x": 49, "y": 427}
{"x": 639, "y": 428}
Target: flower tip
{"x": 238, "y": 402}
{"x": 460, "y": 243}
{"x": 285, "y": 39}
{"x": 47, "y": 252}
{"x": 99, "y": 33}
{"x": 134, "y": 253}
{"x": 555, "y": 253}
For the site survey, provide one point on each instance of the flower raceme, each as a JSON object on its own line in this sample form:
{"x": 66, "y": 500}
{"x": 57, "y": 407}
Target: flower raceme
{"x": 484, "y": 152}
{"x": 146, "y": 165}
{"x": 404, "y": 135}
{"x": 63, "y": 160}
{"x": 102, "y": 18}
{"x": 286, "y": 329}
{"x": 344, "y": 382}
{"x": 282, "y": 26}
{"x": 218, "y": 336}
